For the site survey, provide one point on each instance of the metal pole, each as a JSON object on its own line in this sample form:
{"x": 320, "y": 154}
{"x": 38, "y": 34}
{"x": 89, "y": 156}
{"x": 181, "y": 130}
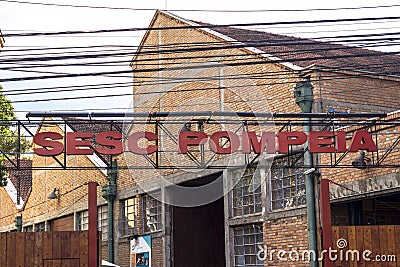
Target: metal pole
{"x": 326, "y": 220}
{"x": 303, "y": 93}
{"x": 310, "y": 201}
{"x": 93, "y": 239}
{"x": 111, "y": 231}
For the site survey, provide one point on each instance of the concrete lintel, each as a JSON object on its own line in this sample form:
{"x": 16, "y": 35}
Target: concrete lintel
{"x": 246, "y": 220}
{"x": 369, "y": 187}
{"x": 297, "y": 211}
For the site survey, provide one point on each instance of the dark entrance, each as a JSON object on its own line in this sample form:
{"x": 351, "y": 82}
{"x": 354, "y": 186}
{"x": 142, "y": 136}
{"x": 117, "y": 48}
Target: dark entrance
{"x": 198, "y": 232}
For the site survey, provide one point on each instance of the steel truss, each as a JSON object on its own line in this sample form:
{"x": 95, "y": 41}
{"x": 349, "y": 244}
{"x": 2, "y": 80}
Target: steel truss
{"x": 161, "y": 124}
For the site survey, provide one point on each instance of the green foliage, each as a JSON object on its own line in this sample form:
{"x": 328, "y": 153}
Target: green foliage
{"x": 9, "y": 141}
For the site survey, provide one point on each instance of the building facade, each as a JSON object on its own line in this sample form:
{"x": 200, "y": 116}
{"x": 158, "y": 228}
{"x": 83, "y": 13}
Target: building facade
{"x": 184, "y": 66}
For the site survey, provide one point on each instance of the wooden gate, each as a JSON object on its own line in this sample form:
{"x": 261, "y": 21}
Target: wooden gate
{"x": 44, "y": 249}
{"x": 374, "y": 245}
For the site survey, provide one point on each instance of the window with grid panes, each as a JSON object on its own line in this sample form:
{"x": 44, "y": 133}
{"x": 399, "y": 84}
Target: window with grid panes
{"x": 151, "y": 214}
{"x": 102, "y": 217}
{"x": 129, "y": 214}
{"x": 246, "y": 193}
{"x": 102, "y": 221}
{"x": 248, "y": 240}
{"x": 287, "y": 182}
{"x": 28, "y": 228}
{"x": 40, "y": 227}
{"x": 82, "y": 220}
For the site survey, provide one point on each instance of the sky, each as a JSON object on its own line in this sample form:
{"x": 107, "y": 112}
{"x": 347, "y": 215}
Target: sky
{"x": 29, "y": 18}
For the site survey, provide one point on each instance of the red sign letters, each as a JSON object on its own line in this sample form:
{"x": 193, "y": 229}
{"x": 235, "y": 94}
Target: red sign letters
{"x": 224, "y": 142}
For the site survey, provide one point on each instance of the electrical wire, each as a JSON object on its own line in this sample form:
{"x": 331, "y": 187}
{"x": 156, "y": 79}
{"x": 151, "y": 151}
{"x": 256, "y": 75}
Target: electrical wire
{"x": 326, "y": 78}
{"x": 40, "y": 203}
{"x": 120, "y": 62}
{"x": 96, "y": 56}
{"x": 196, "y": 47}
{"x": 209, "y": 26}
{"x": 367, "y": 54}
{"x": 160, "y": 81}
{"x": 205, "y": 47}
{"x": 201, "y": 10}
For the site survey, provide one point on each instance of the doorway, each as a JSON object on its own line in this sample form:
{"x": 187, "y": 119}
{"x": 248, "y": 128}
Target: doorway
{"x": 198, "y": 232}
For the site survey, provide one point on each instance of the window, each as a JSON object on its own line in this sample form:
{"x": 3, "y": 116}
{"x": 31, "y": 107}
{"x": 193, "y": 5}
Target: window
{"x": 287, "y": 183}
{"x": 82, "y": 220}
{"x": 151, "y": 209}
{"x": 40, "y": 227}
{"x": 247, "y": 192}
{"x": 102, "y": 221}
{"x": 248, "y": 240}
{"x": 102, "y": 217}
{"x": 129, "y": 213}
{"x": 28, "y": 228}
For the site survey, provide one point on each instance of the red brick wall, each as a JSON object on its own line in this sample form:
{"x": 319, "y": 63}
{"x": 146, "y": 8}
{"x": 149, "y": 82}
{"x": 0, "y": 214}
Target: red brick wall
{"x": 285, "y": 234}
{"x": 355, "y": 91}
{"x": 63, "y": 224}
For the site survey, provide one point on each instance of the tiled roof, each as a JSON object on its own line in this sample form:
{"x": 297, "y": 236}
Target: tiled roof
{"x": 95, "y": 126}
{"x": 306, "y": 52}
{"x": 24, "y": 176}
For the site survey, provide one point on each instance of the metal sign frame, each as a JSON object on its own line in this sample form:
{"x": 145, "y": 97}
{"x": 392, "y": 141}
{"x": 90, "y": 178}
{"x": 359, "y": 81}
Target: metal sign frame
{"x": 159, "y": 121}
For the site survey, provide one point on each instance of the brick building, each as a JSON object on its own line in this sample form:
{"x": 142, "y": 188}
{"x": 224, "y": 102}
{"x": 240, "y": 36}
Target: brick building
{"x": 192, "y": 66}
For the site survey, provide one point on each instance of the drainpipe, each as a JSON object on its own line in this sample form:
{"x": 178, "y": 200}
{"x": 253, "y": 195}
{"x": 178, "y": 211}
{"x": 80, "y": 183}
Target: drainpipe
{"x": 303, "y": 93}
{"x": 109, "y": 192}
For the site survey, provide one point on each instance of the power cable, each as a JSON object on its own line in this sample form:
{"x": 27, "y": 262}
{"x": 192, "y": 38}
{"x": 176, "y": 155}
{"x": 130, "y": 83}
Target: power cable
{"x": 204, "y": 46}
{"x": 209, "y": 26}
{"x": 370, "y": 54}
{"x": 162, "y": 81}
{"x": 120, "y": 62}
{"x": 169, "y": 91}
{"x": 201, "y": 10}
{"x": 184, "y": 49}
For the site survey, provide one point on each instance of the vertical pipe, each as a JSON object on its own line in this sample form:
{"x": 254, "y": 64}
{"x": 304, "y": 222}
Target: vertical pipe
{"x": 303, "y": 93}
{"x": 310, "y": 199}
{"x": 326, "y": 220}
{"x": 110, "y": 222}
{"x": 92, "y": 207}
{"x": 109, "y": 192}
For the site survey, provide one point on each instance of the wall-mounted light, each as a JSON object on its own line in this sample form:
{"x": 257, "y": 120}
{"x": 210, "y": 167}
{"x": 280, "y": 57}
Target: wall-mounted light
{"x": 55, "y": 193}
{"x": 361, "y": 161}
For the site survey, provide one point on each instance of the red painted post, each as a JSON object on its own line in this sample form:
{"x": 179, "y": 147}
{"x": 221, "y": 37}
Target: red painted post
{"x": 326, "y": 222}
{"x": 92, "y": 207}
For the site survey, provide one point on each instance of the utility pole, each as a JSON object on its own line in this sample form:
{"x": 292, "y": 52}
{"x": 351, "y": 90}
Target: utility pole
{"x": 303, "y": 93}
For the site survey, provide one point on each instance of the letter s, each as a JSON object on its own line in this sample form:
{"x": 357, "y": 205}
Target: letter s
{"x": 41, "y": 139}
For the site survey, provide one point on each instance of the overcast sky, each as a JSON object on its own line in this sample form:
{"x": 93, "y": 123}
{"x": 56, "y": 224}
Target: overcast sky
{"x": 22, "y": 17}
